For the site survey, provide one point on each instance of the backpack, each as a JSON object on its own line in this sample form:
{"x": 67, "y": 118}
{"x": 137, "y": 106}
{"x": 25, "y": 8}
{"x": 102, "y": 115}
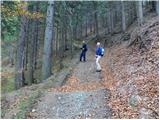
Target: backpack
{"x": 102, "y": 51}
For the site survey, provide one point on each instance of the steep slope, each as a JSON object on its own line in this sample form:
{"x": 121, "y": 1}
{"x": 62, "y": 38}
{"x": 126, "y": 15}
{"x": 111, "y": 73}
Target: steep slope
{"x": 133, "y": 66}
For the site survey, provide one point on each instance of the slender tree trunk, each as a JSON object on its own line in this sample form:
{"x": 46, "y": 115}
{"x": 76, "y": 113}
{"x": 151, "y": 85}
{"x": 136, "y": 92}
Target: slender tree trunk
{"x": 109, "y": 20}
{"x": 47, "y": 54}
{"x": 32, "y": 56}
{"x": 140, "y": 13}
{"x": 96, "y": 24}
{"x": 36, "y": 36}
{"x": 63, "y": 40}
{"x": 61, "y": 37}
{"x": 157, "y": 7}
{"x": 11, "y": 56}
{"x": 81, "y": 30}
{"x": 71, "y": 42}
{"x": 90, "y": 24}
{"x": 33, "y": 48}
{"x": 71, "y": 38}
{"x": 19, "y": 76}
{"x": 76, "y": 27}
{"x": 65, "y": 37}
{"x": 30, "y": 65}
{"x": 27, "y": 44}
{"x": 86, "y": 28}
{"x": 123, "y": 17}
{"x": 57, "y": 40}
{"x": 106, "y": 26}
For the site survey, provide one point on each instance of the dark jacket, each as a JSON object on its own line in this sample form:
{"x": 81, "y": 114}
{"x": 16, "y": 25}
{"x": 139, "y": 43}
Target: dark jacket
{"x": 84, "y": 47}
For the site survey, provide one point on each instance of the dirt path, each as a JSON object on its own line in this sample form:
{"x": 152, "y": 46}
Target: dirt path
{"x": 82, "y": 96}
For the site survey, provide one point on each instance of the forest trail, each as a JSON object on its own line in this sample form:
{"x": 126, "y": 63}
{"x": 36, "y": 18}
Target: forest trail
{"x": 41, "y": 73}
{"x": 82, "y": 96}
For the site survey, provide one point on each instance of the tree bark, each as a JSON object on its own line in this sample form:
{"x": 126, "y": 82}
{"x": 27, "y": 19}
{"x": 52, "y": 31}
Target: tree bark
{"x": 123, "y": 17}
{"x": 140, "y": 13}
{"x": 96, "y": 24}
{"x": 47, "y": 52}
{"x": 86, "y": 27}
{"x": 36, "y": 36}
{"x": 19, "y": 76}
{"x": 33, "y": 48}
{"x": 11, "y": 56}
{"x": 65, "y": 37}
{"x": 90, "y": 24}
{"x": 27, "y": 44}
{"x": 157, "y": 7}
{"x": 109, "y": 19}
{"x": 96, "y": 18}
{"x": 81, "y": 30}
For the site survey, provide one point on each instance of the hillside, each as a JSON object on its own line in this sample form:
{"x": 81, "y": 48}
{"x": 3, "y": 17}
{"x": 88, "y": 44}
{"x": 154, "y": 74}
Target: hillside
{"x": 132, "y": 73}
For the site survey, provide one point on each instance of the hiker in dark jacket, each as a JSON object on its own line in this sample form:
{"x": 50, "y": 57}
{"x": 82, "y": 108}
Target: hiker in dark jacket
{"x": 83, "y": 52}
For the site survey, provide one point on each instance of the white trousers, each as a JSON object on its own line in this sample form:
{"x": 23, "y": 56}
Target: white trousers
{"x": 98, "y": 67}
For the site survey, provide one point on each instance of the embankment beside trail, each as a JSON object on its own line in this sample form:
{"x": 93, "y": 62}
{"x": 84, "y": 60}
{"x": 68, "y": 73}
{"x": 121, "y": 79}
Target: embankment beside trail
{"x": 131, "y": 73}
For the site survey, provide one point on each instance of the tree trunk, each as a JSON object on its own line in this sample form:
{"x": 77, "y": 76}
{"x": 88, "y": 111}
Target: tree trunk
{"x": 11, "y": 56}
{"x": 76, "y": 27}
{"x": 81, "y": 30}
{"x": 123, "y": 17}
{"x": 33, "y": 48}
{"x": 109, "y": 18}
{"x": 96, "y": 24}
{"x": 157, "y": 7}
{"x": 86, "y": 28}
{"x": 36, "y": 36}
{"x": 32, "y": 56}
{"x": 90, "y": 24}
{"x": 47, "y": 54}
{"x": 27, "y": 44}
{"x": 140, "y": 13}
{"x": 65, "y": 37}
{"x": 19, "y": 76}
{"x": 71, "y": 41}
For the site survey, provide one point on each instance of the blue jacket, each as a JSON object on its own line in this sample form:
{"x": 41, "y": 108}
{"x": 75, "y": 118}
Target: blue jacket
{"x": 98, "y": 51}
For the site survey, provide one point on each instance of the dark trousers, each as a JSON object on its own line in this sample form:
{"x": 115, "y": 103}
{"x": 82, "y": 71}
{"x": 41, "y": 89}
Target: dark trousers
{"x": 83, "y": 55}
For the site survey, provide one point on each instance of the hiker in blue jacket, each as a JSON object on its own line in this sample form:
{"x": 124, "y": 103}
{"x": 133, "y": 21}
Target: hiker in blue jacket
{"x": 83, "y": 52}
{"x": 99, "y": 54}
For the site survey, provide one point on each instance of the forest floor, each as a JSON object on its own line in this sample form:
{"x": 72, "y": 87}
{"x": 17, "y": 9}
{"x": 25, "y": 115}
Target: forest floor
{"x": 133, "y": 76}
{"x": 127, "y": 87}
